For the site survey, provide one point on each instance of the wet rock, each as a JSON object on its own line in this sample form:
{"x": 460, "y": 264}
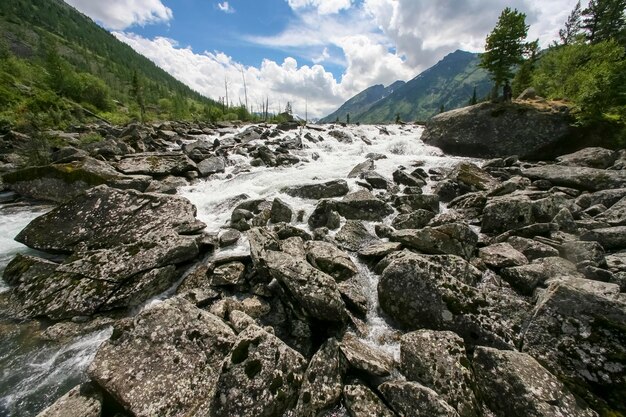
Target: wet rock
{"x": 502, "y": 214}
{"x": 324, "y": 215}
{"x": 62, "y": 182}
{"x": 362, "y": 402}
{"x": 260, "y": 377}
{"x": 361, "y": 168}
{"x": 362, "y": 205}
{"x": 354, "y": 235}
{"x": 453, "y": 238}
{"x": 611, "y": 238}
{"x": 514, "y": 384}
{"x": 124, "y": 249}
{"x": 379, "y": 250}
{"x": 401, "y": 177}
{"x": 580, "y": 178}
{"x": 229, "y": 237}
{"x": 572, "y": 325}
{"x": 415, "y": 220}
{"x": 376, "y": 180}
{"x": 501, "y": 255}
{"x": 589, "y": 157}
{"x": 156, "y": 163}
{"x": 414, "y": 399}
{"x": 428, "y": 202}
{"x": 323, "y": 381}
{"x": 343, "y": 137}
{"x": 212, "y": 165}
{"x": 82, "y": 401}
{"x": 261, "y": 242}
{"x": 335, "y": 188}
{"x": 165, "y": 361}
{"x": 531, "y": 248}
{"x": 232, "y": 273}
{"x": 281, "y": 212}
{"x": 329, "y": 259}
{"x": 352, "y": 292}
{"x": 285, "y": 231}
{"x": 314, "y": 291}
{"x": 365, "y": 358}
{"x": 168, "y": 185}
{"x": 438, "y": 360}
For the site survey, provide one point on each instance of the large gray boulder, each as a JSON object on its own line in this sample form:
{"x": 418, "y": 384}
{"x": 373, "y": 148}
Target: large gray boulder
{"x": 212, "y": 165}
{"x": 165, "y": 361}
{"x": 62, "y": 182}
{"x": 451, "y": 239}
{"x": 579, "y": 336}
{"x": 156, "y": 163}
{"x": 438, "y": 361}
{"x": 362, "y": 205}
{"x": 328, "y": 258}
{"x": 84, "y": 400}
{"x": 611, "y": 238}
{"x": 589, "y": 157}
{"x": 415, "y": 400}
{"x": 329, "y": 189}
{"x": 490, "y": 130}
{"x": 260, "y": 377}
{"x": 362, "y": 402}
{"x": 513, "y": 384}
{"x": 581, "y": 178}
{"x": 313, "y": 290}
{"x": 506, "y": 213}
{"x": 123, "y": 245}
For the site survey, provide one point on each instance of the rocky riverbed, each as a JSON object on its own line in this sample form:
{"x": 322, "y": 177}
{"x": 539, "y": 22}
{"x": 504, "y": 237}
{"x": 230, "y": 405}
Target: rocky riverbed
{"x": 285, "y": 271}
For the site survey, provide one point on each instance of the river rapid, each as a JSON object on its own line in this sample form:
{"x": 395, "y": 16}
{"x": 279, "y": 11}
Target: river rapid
{"x": 34, "y": 371}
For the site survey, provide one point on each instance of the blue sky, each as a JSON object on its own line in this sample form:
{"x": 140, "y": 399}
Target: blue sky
{"x": 314, "y": 53}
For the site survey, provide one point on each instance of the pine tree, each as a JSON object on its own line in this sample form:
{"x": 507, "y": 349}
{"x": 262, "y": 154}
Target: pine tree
{"x": 604, "y": 20}
{"x": 348, "y": 118}
{"x": 505, "y": 46}
{"x": 136, "y": 90}
{"x": 573, "y": 26}
{"x": 474, "y": 99}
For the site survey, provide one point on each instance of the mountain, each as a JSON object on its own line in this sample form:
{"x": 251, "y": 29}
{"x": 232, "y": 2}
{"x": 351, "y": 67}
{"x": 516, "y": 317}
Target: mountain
{"x": 55, "y": 63}
{"x": 449, "y": 83}
{"x": 362, "y": 102}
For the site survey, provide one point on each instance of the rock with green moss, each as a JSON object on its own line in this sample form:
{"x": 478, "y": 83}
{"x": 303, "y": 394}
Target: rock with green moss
{"x": 156, "y": 164}
{"x": 260, "y": 377}
{"x": 323, "y": 381}
{"x": 123, "y": 247}
{"x": 438, "y": 361}
{"x": 62, "y": 182}
{"x": 514, "y": 384}
{"x": 580, "y": 336}
{"x": 164, "y": 361}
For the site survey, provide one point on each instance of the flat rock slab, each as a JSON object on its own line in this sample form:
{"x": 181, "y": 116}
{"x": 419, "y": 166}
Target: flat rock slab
{"x": 582, "y": 178}
{"x": 156, "y": 163}
{"x": 165, "y": 361}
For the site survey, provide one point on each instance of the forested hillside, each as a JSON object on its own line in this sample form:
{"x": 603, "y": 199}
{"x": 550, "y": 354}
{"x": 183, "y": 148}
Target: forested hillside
{"x": 58, "y": 67}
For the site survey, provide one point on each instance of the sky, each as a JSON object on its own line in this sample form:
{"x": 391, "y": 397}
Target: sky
{"x": 315, "y": 54}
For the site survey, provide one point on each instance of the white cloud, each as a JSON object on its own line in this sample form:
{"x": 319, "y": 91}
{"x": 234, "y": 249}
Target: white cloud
{"x": 322, "y": 57}
{"x": 121, "y": 14}
{"x": 206, "y": 73}
{"x": 322, "y": 6}
{"x": 225, "y": 7}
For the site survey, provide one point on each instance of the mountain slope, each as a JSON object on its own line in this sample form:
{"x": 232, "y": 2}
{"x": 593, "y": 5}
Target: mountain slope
{"x": 362, "y": 102}
{"x": 54, "y": 50}
{"x": 449, "y": 83}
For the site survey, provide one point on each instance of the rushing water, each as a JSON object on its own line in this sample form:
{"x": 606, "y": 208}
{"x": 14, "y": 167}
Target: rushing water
{"x": 33, "y": 372}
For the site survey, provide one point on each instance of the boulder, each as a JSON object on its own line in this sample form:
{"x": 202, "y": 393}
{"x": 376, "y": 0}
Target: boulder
{"x": 468, "y": 177}
{"x": 376, "y": 180}
{"x": 212, "y": 165}
{"x": 428, "y": 202}
{"x": 168, "y": 185}
{"x": 490, "y": 130}
{"x": 165, "y": 361}
{"x": 281, "y": 212}
{"x": 362, "y": 168}
{"x": 260, "y": 377}
{"x": 579, "y": 336}
{"x": 510, "y": 212}
{"x": 615, "y": 215}
{"x": 378, "y": 250}
{"x": 156, "y": 163}
{"x": 362, "y": 205}
{"x": 84, "y": 400}
{"x": 438, "y": 361}
{"x": 364, "y": 358}
{"x": 610, "y": 238}
{"x": 514, "y": 384}
{"x": 62, "y": 182}
{"x": 524, "y": 278}
{"x": 532, "y": 249}
{"x": 328, "y": 258}
{"x": 580, "y": 178}
{"x": 604, "y": 197}
{"x": 314, "y": 291}
{"x": 501, "y": 255}
{"x": 579, "y": 251}
{"x": 401, "y": 177}
{"x": 322, "y": 384}
{"x": 415, "y": 400}
{"x": 589, "y": 157}
{"x": 360, "y": 401}
{"x": 124, "y": 247}
{"x": 354, "y": 235}
{"x": 335, "y": 188}
{"x": 232, "y": 273}
{"x": 453, "y": 239}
